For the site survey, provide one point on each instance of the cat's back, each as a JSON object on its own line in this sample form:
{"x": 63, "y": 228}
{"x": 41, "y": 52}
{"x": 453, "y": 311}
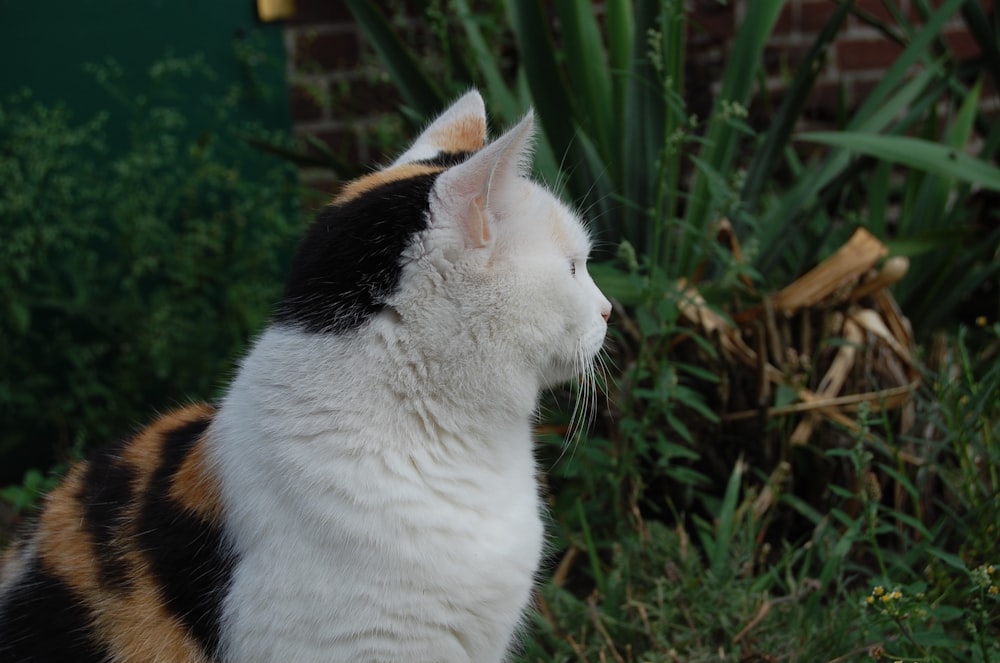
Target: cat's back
{"x": 126, "y": 561}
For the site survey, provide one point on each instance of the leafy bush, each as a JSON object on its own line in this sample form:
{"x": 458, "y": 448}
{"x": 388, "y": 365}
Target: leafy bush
{"x": 129, "y": 278}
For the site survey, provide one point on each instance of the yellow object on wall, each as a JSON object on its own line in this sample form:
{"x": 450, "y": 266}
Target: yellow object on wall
{"x": 275, "y": 10}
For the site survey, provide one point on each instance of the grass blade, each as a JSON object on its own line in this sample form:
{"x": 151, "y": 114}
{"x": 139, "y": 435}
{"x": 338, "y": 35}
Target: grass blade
{"x": 726, "y": 525}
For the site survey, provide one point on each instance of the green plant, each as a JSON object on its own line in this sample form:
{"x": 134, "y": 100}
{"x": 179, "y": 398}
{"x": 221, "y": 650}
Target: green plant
{"x": 916, "y": 623}
{"x": 611, "y": 108}
{"x": 130, "y": 277}
{"x": 932, "y": 212}
{"x": 658, "y": 599}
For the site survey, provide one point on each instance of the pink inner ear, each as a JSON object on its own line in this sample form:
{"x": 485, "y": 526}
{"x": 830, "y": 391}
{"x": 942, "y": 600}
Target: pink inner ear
{"x": 477, "y": 223}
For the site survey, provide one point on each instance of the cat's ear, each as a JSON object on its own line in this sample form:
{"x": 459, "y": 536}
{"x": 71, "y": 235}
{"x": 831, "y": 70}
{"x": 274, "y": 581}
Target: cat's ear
{"x": 459, "y": 129}
{"x": 467, "y": 190}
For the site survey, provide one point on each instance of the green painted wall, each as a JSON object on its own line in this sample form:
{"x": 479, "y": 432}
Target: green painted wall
{"x": 44, "y": 46}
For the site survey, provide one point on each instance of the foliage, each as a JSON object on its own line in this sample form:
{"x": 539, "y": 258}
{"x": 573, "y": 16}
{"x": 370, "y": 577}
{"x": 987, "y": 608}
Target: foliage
{"x": 129, "y": 278}
{"x": 932, "y": 213}
{"x": 895, "y": 566}
{"x": 659, "y": 176}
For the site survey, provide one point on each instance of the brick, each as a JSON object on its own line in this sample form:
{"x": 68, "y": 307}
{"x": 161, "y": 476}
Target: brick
{"x": 344, "y": 144}
{"x": 815, "y": 15}
{"x": 784, "y": 59}
{"x": 711, "y": 22}
{"x": 866, "y": 54}
{"x": 363, "y": 98}
{"x": 330, "y": 51}
{"x": 962, "y": 45}
{"x": 308, "y": 102}
{"x": 786, "y": 23}
{"x": 322, "y": 11}
{"x": 989, "y": 88}
{"x": 875, "y": 8}
{"x": 381, "y": 144}
{"x": 860, "y": 91}
{"x": 824, "y": 99}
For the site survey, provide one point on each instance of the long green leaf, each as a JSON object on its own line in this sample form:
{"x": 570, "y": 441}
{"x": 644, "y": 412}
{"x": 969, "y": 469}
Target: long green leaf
{"x": 894, "y": 93}
{"x": 502, "y": 101}
{"x": 417, "y": 88}
{"x": 913, "y": 152}
{"x": 621, "y": 32}
{"x": 586, "y": 63}
{"x": 641, "y": 125}
{"x": 766, "y": 156}
{"x": 545, "y": 79}
{"x": 984, "y": 34}
{"x": 776, "y": 220}
{"x": 918, "y": 50}
{"x": 737, "y": 84}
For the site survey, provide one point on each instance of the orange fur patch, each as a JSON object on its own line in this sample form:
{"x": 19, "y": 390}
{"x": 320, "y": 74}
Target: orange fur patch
{"x": 136, "y": 625}
{"x": 195, "y": 488}
{"x": 357, "y": 188}
{"x": 467, "y": 134}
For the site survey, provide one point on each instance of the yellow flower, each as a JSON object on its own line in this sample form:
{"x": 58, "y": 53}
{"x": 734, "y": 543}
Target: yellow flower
{"x": 896, "y": 595}
{"x": 886, "y": 598}
{"x": 878, "y": 591}
{"x": 994, "y": 590}
{"x": 989, "y": 569}
{"x": 981, "y": 321}
{"x": 870, "y": 599}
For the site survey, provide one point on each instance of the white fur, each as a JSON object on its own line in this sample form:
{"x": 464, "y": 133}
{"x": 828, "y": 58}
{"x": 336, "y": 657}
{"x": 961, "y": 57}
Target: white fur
{"x": 380, "y": 484}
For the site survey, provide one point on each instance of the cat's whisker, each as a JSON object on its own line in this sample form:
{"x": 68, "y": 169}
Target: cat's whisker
{"x": 591, "y": 379}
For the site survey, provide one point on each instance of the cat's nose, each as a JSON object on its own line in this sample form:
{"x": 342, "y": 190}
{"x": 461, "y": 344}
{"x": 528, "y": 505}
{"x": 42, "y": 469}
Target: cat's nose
{"x": 606, "y": 313}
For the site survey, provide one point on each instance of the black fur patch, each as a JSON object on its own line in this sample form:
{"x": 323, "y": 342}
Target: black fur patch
{"x": 43, "y": 621}
{"x": 446, "y": 159}
{"x": 188, "y": 556}
{"x": 105, "y": 495}
{"x": 349, "y": 262}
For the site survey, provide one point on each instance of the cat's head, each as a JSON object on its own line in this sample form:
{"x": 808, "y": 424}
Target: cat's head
{"x": 452, "y": 248}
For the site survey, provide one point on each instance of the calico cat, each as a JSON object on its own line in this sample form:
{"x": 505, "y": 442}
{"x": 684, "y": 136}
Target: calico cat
{"x": 366, "y": 489}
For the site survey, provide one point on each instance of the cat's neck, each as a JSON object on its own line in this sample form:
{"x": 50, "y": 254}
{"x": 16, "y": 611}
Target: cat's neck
{"x": 384, "y": 383}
